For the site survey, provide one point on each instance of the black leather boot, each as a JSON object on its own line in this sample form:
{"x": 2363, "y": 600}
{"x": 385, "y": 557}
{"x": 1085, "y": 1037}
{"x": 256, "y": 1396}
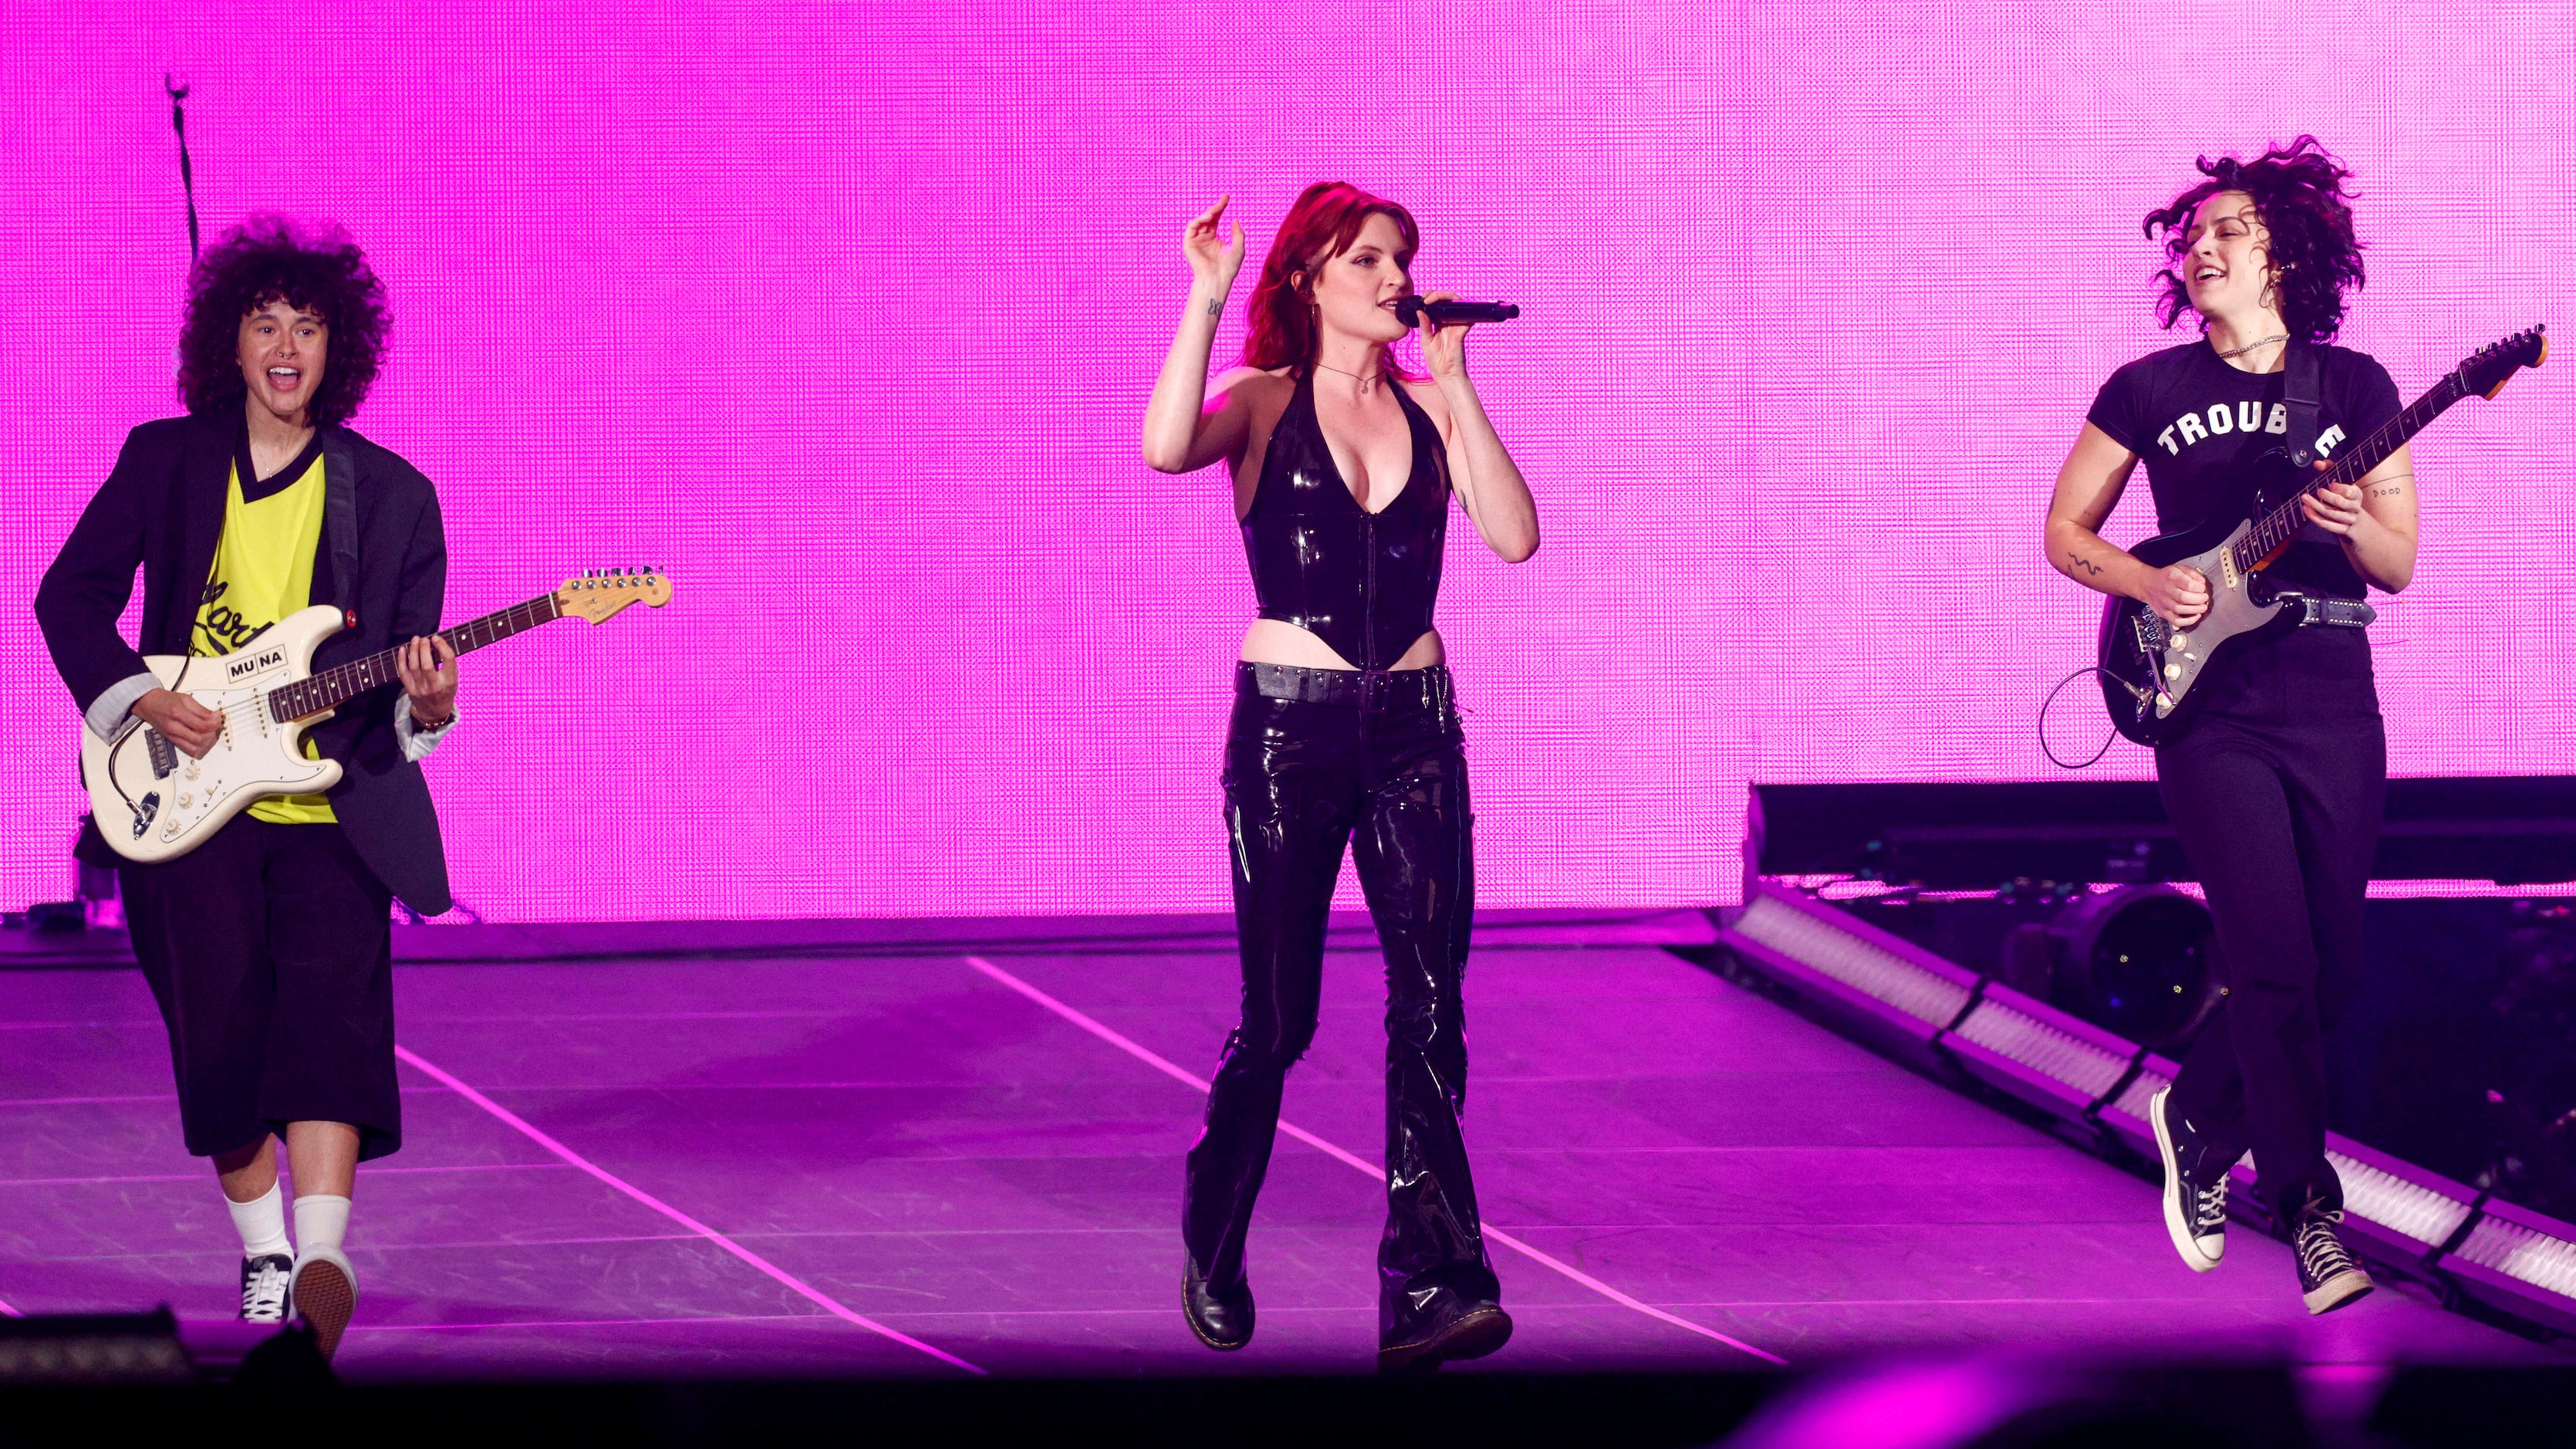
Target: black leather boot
{"x": 1461, "y": 1328}
{"x": 1221, "y": 1320}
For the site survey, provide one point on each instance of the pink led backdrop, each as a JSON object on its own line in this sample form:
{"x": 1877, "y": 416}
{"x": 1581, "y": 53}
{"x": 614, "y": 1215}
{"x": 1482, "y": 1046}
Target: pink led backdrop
{"x": 846, "y": 318}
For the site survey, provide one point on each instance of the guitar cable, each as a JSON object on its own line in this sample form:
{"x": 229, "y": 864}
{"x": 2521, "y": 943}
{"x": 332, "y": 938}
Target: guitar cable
{"x": 2107, "y": 738}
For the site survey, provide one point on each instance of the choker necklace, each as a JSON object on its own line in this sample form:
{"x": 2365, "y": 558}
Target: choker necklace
{"x": 2241, "y": 351}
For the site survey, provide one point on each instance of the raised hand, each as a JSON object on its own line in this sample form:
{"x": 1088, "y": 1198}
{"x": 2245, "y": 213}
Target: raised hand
{"x": 1213, "y": 259}
{"x": 2179, "y": 593}
{"x": 1444, "y": 349}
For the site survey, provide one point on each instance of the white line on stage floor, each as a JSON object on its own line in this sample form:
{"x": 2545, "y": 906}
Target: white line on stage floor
{"x": 810, "y": 1293}
{"x": 1183, "y": 1074}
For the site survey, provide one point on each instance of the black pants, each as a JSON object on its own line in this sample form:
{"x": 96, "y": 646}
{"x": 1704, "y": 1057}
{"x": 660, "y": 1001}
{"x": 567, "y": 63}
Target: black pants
{"x": 270, "y": 951}
{"x": 2276, "y": 792}
{"x": 1300, "y": 780}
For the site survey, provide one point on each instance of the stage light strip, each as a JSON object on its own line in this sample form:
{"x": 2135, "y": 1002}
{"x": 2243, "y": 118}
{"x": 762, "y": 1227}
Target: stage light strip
{"x": 1856, "y": 963}
{"x": 803, "y": 1289}
{"x": 1179, "y": 1073}
{"x": 2140, "y": 1094}
{"x": 2046, "y": 1049}
{"x": 8, "y": 1312}
{"x": 2396, "y": 1204}
{"x": 2524, "y": 1253}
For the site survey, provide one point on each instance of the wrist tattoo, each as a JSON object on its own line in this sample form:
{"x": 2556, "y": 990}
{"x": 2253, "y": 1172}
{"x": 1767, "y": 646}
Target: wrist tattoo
{"x": 1216, "y": 309}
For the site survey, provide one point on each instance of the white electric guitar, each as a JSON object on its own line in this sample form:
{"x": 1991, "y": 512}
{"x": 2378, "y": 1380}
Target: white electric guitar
{"x": 154, "y": 802}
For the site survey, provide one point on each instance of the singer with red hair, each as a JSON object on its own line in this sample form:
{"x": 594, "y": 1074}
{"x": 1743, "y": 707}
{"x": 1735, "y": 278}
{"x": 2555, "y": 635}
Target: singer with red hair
{"x": 1344, "y": 725}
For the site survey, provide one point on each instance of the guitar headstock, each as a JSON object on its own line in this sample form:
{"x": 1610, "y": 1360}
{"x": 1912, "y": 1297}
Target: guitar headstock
{"x": 599, "y": 593}
{"x": 2486, "y": 370}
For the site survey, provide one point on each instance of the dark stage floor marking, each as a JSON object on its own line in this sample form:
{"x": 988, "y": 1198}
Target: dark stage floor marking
{"x": 1373, "y": 1172}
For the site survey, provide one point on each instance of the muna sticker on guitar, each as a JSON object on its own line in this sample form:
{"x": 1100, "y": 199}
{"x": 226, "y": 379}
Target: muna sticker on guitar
{"x": 2242, "y": 417}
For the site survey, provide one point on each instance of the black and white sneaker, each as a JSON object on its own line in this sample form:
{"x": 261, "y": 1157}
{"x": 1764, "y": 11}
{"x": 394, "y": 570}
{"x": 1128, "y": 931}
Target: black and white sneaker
{"x": 2195, "y": 1212}
{"x": 264, "y": 1288}
{"x": 2328, "y": 1276}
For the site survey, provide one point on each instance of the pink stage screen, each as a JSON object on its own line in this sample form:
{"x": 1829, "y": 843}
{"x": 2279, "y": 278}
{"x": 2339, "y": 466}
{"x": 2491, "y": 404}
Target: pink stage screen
{"x": 846, "y": 318}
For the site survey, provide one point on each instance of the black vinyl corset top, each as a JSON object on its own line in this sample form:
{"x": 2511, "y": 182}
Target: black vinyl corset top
{"x": 1362, "y": 582}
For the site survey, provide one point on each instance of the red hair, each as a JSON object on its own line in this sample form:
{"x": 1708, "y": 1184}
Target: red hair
{"x": 1321, "y": 226}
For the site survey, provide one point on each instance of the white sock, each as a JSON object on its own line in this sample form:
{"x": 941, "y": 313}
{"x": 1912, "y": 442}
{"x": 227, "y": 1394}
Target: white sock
{"x": 262, "y": 1224}
{"x": 321, "y": 1221}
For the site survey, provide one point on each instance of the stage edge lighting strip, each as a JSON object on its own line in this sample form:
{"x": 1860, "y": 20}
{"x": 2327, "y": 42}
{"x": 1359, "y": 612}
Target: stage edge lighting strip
{"x": 1179, "y": 1073}
{"x": 1852, "y": 960}
{"x": 2424, "y": 1214}
{"x": 2141, "y": 1093}
{"x": 2520, "y": 1252}
{"x": 2049, "y": 1050}
{"x": 803, "y": 1289}
{"x": 2397, "y": 1202}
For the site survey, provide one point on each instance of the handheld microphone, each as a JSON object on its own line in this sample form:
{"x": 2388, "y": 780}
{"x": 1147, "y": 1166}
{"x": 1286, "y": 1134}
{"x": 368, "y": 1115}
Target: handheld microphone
{"x": 1409, "y": 310}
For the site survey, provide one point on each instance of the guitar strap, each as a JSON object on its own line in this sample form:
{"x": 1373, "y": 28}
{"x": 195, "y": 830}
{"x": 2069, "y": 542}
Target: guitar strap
{"x": 2301, "y": 385}
{"x": 340, "y": 524}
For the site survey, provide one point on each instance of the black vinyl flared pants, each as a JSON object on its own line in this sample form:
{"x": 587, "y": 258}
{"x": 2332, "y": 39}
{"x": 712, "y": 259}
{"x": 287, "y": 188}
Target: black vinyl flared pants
{"x": 270, "y": 951}
{"x": 1301, "y": 780}
{"x": 2276, "y": 791}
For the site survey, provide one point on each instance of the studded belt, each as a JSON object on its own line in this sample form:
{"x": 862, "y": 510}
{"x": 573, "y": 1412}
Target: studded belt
{"x": 1371, "y": 691}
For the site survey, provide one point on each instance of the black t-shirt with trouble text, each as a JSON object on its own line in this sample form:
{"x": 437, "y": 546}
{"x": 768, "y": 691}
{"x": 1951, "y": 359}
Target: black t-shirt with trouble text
{"x": 2197, "y": 423}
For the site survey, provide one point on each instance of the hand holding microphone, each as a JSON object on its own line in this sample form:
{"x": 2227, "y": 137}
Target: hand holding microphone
{"x": 1444, "y": 321}
{"x": 1446, "y": 311}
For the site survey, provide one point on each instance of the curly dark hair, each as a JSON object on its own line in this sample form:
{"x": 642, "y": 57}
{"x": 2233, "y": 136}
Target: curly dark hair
{"x": 2299, "y": 194}
{"x": 312, "y": 268}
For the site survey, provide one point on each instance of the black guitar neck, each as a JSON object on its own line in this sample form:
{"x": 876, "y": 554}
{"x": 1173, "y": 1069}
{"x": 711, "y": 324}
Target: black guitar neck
{"x": 2354, "y": 463}
{"x": 341, "y": 683}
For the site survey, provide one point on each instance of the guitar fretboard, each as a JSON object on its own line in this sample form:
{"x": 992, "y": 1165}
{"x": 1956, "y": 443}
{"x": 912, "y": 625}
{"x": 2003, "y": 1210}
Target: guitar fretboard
{"x": 341, "y": 683}
{"x": 2276, "y": 527}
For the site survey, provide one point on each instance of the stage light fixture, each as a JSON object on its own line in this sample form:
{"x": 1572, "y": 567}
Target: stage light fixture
{"x": 1888, "y": 990}
{"x": 2139, "y": 960}
{"x": 2519, "y": 1261}
{"x": 2407, "y": 1211}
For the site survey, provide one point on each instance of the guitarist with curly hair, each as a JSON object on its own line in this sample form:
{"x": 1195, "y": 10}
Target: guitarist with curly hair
{"x": 2275, "y": 786}
{"x": 269, "y": 947}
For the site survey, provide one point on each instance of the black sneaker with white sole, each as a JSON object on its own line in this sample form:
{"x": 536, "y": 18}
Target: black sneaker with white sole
{"x": 2328, "y": 1276}
{"x": 264, "y": 1282}
{"x": 2195, "y": 1188}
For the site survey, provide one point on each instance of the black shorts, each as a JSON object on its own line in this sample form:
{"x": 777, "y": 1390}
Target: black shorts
{"x": 270, "y": 951}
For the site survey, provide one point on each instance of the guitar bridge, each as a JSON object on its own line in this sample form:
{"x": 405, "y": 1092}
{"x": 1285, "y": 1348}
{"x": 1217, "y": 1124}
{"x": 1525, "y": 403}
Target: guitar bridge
{"x": 164, "y": 758}
{"x": 2153, "y": 633}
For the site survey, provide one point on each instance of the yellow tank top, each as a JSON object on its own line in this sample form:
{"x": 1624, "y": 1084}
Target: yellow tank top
{"x": 263, "y": 572}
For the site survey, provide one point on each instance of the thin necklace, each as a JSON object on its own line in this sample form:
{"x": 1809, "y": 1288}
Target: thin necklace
{"x": 2248, "y": 347}
{"x": 1361, "y": 378}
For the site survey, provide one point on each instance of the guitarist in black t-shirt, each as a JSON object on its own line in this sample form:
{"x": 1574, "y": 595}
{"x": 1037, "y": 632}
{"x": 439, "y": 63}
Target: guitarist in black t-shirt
{"x": 2276, "y": 785}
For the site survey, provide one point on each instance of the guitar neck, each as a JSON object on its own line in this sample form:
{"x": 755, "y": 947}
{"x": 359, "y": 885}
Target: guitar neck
{"x": 2353, "y": 464}
{"x": 341, "y": 683}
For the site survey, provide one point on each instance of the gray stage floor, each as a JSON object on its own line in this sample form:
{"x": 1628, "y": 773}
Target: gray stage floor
{"x": 913, "y": 1164}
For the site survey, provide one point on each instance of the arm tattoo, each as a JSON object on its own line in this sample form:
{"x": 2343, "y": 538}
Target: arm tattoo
{"x": 2086, "y": 564}
{"x": 1216, "y": 309}
{"x": 2391, "y": 486}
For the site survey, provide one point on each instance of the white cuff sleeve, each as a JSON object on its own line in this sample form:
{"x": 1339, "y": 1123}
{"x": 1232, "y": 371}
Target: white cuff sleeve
{"x": 416, "y": 744}
{"x": 107, "y": 712}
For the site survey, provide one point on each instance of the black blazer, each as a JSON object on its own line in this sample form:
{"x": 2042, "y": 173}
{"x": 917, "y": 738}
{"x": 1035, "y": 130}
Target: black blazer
{"x": 163, "y": 508}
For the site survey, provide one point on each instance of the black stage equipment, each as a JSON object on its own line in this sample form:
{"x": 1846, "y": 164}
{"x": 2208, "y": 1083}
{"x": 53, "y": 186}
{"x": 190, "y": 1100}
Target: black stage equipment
{"x": 2513, "y": 830}
{"x": 93, "y": 1348}
{"x": 1409, "y": 310}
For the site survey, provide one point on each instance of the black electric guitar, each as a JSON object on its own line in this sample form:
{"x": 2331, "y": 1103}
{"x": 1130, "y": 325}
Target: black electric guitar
{"x": 2148, "y": 667}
